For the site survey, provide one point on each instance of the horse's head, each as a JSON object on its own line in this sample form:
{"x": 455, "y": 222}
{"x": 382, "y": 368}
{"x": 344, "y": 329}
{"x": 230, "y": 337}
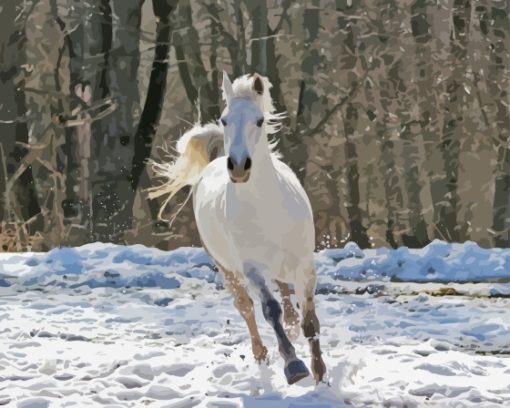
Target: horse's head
{"x": 243, "y": 123}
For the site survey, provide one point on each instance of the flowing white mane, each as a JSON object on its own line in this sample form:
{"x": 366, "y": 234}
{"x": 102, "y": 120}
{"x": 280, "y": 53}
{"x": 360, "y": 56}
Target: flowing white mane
{"x": 208, "y": 133}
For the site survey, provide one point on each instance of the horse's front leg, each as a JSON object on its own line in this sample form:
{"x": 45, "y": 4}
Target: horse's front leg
{"x": 290, "y": 316}
{"x": 295, "y": 369}
{"x": 305, "y": 292}
{"x": 244, "y": 305}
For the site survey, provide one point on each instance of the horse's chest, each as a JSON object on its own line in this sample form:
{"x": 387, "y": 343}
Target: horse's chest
{"x": 254, "y": 214}
{"x": 239, "y": 224}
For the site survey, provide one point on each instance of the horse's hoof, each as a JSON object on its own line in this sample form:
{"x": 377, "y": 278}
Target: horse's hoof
{"x": 295, "y": 371}
{"x": 318, "y": 369}
{"x": 259, "y": 352}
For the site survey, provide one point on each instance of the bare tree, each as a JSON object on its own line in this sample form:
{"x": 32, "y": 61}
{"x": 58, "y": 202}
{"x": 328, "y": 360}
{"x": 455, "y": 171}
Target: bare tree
{"x": 450, "y": 143}
{"x": 358, "y": 232}
{"x": 89, "y": 44}
{"x": 390, "y": 107}
{"x": 13, "y": 118}
{"x": 308, "y": 100}
{"x": 495, "y": 25}
{"x": 258, "y": 16}
{"x": 199, "y": 88}
{"x": 415, "y": 234}
{"x": 151, "y": 114}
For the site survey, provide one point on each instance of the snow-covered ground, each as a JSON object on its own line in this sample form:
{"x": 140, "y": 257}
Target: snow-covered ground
{"x": 106, "y": 325}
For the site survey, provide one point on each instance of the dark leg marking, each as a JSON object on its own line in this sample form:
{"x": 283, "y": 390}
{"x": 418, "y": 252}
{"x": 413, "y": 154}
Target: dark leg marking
{"x": 295, "y": 369}
{"x": 273, "y": 313}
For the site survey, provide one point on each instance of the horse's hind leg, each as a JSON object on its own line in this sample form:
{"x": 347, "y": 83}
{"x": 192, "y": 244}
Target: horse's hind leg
{"x": 244, "y": 304}
{"x": 295, "y": 369}
{"x": 305, "y": 292}
{"x": 290, "y": 316}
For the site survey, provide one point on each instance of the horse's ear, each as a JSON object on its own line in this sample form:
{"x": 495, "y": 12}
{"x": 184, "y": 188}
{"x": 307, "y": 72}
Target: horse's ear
{"x": 228, "y": 91}
{"x": 258, "y": 85}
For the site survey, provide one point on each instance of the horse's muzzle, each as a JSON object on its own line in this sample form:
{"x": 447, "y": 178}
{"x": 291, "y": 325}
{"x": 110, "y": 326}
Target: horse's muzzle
{"x": 239, "y": 172}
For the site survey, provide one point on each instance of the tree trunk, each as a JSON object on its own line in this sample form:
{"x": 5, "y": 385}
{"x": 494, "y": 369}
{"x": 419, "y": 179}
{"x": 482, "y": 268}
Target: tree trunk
{"x": 392, "y": 187}
{"x": 417, "y": 236}
{"x": 273, "y": 73}
{"x": 113, "y": 144}
{"x": 452, "y": 118}
{"x": 420, "y": 28}
{"x": 221, "y": 36}
{"x": 13, "y": 121}
{"x": 501, "y": 208}
{"x": 427, "y": 100}
{"x": 243, "y": 59}
{"x": 264, "y": 60}
{"x": 498, "y": 33}
{"x": 192, "y": 68}
{"x": 309, "y": 101}
{"x": 89, "y": 45}
{"x": 153, "y": 105}
{"x": 388, "y": 96}
{"x": 258, "y": 17}
{"x": 357, "y": 230}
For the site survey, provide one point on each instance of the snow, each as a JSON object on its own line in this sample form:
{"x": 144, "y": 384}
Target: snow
{"x": 133, "y": 326}
{"x": 437, "y": 262}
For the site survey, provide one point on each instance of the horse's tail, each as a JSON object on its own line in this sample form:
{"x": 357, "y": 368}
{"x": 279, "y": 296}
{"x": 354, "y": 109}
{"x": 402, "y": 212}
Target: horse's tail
{"x": 195, "y": 149}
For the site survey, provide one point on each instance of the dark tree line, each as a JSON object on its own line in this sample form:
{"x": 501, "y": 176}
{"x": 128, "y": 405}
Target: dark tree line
{"x": 397, "y": 114}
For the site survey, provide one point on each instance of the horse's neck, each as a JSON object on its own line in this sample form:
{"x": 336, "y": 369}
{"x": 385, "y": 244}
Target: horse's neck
{"x": 263, "y": 169}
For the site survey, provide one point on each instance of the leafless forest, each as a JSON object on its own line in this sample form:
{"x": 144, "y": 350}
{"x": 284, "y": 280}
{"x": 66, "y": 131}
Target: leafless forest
{"x": 398, "y": 113}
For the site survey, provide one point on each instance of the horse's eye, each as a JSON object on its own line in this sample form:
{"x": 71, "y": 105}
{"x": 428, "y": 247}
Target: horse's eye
{"x": 223, "y": 122}
{"x": 260, "y": 122}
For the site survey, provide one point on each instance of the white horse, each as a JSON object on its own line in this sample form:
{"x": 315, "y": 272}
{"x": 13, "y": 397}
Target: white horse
{"x": 253, "y": 216}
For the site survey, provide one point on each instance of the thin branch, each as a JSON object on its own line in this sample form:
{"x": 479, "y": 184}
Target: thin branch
{"x": 284, "y": 16}
{"x": 19, "y": 119}
{"x": 267, "y": 37}
{"x": 103, "y": 109}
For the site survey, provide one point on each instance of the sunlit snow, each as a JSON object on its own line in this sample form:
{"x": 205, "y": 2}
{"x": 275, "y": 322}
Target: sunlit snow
{"x": 134, "y": 326}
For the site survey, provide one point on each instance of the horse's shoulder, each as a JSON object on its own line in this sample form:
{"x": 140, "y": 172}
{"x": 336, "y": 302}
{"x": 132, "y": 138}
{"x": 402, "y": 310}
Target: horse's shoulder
{"x": 286, "y": 175}
{"x": 294, "y": 193}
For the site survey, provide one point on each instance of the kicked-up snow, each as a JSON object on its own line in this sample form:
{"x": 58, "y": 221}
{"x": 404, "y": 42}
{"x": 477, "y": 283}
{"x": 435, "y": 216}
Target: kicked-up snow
{"x": 106, "y": 325}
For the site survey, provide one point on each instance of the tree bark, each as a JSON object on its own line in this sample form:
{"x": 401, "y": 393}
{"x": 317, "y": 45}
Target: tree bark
{"x": 452, "y": 118}
{"x": 427, "y": 101}
{"x": 221, "y": 36}
{"x": 496, "y": 26}
{"x": 417, "y": 236}
{"x": 357, "y": 230}
{"x": 309, "y": 102}
{"x": 13, "y": 120}
{"x": 392, "y": 185}
{"x": 260, "y": 31}
{"x": 192, "y": 68}
{"x": 89, "y": 45}
{"x": 350, "y": 118}
{"x": 420, "y": 28}
{"x": 113, "y": 146}
{"x": 153, "y": 105}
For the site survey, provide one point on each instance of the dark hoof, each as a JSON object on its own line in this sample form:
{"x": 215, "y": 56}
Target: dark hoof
{"x": 295, "y": 371}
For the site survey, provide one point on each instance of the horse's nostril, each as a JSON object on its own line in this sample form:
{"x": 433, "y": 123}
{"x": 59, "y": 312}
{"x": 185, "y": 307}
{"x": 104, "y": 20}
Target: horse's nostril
{"x": 247, "y": 164}
{"x": 230, "y": 164}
